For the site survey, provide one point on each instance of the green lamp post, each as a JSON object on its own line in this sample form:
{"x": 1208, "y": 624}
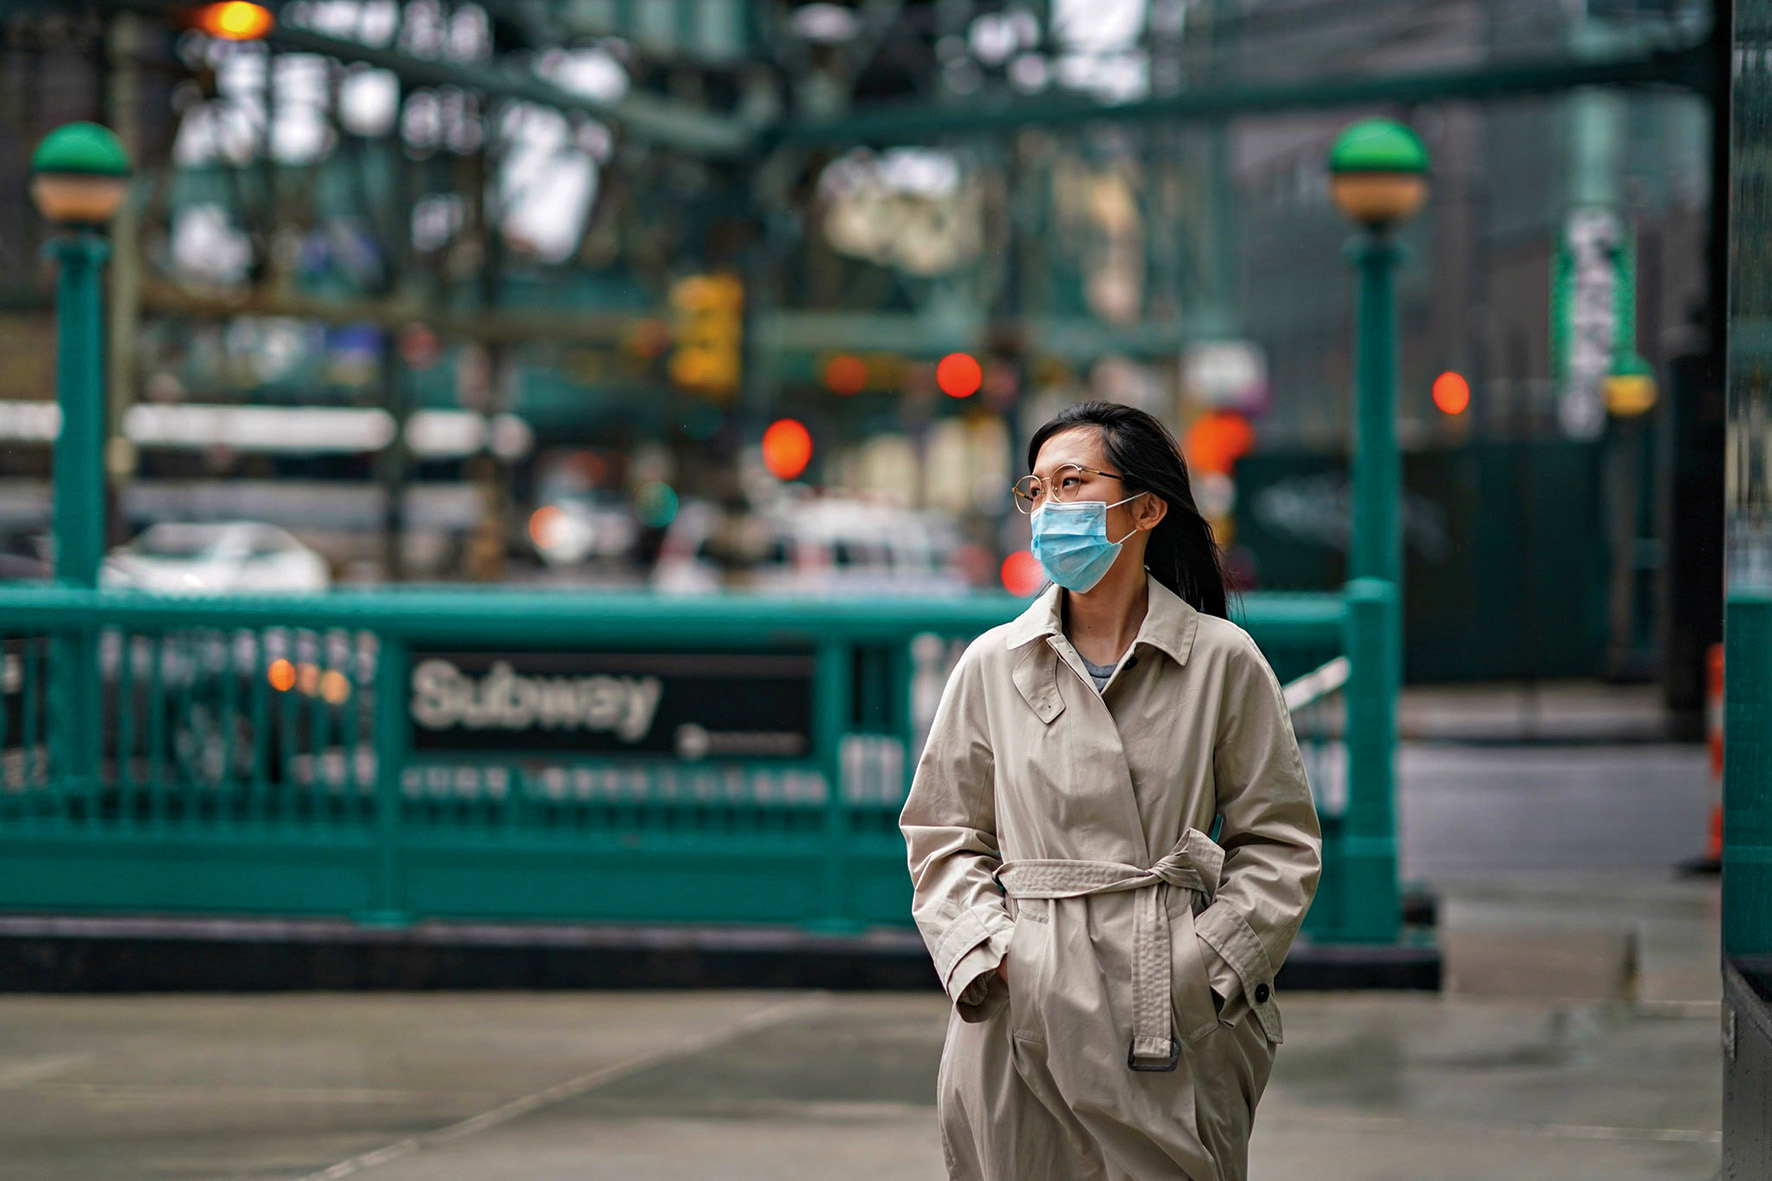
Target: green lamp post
{"x": 79, "y": 176}
{"x": 1378, "y": 179}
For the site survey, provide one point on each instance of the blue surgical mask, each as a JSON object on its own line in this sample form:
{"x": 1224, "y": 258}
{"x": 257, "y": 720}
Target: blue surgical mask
{"x": 1071, "y": 541}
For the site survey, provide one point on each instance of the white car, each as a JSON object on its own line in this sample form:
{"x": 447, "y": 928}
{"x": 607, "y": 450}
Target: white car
{"x": 224, "y": 558}
{"x": 822, "y": 547}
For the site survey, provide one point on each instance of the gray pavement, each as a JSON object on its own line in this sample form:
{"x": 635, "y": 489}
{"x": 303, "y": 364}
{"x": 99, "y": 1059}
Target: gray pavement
{"x": 1578, "y": 1038}
{"x": 773, "y": 1086}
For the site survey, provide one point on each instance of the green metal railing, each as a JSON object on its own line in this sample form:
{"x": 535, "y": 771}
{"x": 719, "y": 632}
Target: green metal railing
{"x": 258, "y": 756}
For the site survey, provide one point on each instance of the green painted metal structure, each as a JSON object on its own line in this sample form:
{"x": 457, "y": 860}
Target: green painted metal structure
{"x": 203, "y": 782}
{"x": 1747, "y": 775}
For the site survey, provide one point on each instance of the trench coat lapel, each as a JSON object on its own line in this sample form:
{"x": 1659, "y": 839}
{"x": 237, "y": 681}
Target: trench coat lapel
{"x": 1088, "y": 735}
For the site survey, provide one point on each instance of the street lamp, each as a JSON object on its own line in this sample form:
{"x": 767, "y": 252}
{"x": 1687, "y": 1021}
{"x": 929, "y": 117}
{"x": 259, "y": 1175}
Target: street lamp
{"x": 79, "y": 176}
{"x": 1378, "y": 179}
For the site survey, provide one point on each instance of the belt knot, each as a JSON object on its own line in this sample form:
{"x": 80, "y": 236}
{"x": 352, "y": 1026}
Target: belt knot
{"x": 1194, "y": 864}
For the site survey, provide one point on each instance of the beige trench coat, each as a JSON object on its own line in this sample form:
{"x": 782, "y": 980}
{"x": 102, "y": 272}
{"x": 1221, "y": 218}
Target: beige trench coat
{"x": 1065, "y": 831}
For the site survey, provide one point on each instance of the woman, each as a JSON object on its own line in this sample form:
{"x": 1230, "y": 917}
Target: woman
{"x": 1111, "y": 966}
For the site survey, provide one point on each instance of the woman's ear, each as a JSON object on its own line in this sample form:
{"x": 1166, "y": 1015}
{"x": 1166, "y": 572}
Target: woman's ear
{"x": 1150, "y": 511}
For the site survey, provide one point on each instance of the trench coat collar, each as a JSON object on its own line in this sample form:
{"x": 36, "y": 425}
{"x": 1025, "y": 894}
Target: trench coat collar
{"x": 1169, "y": 622}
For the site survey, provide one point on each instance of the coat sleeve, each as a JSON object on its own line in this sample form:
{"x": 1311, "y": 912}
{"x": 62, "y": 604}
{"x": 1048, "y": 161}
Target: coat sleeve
{"x": 1272, "y": 842}
{"x": 950, "y": 830}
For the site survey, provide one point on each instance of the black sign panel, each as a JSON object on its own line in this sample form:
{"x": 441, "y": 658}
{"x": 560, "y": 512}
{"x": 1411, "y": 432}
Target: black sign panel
{"x": 721, "y": 705}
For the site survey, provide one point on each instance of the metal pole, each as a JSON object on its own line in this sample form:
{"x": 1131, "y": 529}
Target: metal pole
{"x": 78, "y": 522}
{"x": 386, "y": 883}
{"x": 1367, "y": 854}
{"x": 1376, "y": 550}
{"x": 1360, "y": 870}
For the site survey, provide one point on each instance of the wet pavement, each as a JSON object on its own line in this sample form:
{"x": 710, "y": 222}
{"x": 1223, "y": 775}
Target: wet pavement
{"x": 773, "y": 1086}
{"x": 1578, "y": 1038}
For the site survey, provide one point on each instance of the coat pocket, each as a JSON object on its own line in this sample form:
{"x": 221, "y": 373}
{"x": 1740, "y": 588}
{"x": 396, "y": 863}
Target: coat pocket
{"x": 1025, "y": 961}
{"x": 1190, "y": 987}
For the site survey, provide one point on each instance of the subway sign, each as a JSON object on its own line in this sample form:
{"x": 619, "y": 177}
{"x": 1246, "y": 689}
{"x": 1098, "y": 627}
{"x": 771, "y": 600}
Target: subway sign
{"x": 689, "y": 706}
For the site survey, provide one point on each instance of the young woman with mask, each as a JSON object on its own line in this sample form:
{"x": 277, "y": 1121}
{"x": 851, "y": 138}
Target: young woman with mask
{"x": 1111, "y": 966}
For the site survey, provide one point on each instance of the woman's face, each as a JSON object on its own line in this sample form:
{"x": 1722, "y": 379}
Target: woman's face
{"x": 1075, "y": 458}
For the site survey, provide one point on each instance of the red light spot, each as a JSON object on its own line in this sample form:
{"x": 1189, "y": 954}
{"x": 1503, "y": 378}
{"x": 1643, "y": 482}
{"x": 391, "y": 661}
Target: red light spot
{"x": 1216, "y": 440}
{"x": 1022, "y": 574}
{"x": 959, "y": 375}
{"x": 845, "y": 375}
{"x": 1452, "y": 393}
{"x": 787, "y": 448}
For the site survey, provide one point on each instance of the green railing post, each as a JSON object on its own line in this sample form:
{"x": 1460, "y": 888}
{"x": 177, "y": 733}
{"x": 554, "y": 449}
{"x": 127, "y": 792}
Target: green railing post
{"x": 1747, "y": 774}
{"x": 832, "y": 684}
{"x": 388, "y": 901}
{"x": 78, "y": 522}
{"x": 1360, "y": 868}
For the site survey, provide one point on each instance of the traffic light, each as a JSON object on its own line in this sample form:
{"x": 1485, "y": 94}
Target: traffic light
{"x": 708, "y": 334}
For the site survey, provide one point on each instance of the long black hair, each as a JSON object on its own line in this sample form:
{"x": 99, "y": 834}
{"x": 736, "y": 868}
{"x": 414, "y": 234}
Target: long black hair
{"x": 1181, "y": 553}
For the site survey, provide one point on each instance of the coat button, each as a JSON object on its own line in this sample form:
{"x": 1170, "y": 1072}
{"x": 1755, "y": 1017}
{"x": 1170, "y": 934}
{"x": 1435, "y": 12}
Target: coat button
{"x": 1262, "y": 992}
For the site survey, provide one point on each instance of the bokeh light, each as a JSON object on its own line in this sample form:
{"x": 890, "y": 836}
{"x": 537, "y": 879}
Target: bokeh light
{"x": 1022, "y": 574}
{"x": 656, "y": 504}
{"x": 235, "y": 20}
{"x": 335, "y": 687}
{"x": 845, "y": 374}
{"x": 1216, "y": 440}
{"x": 1452, "y": 393}
{"x": 959, "y": 375}
{"x": 281, "y": 675}
{"x": 787, "y": 448}
{"x": 546, "y": 525}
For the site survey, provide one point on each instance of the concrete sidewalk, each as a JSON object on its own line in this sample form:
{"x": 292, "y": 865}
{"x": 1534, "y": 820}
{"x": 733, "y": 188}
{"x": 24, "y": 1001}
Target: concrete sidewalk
{"x": 778, "y": 1087}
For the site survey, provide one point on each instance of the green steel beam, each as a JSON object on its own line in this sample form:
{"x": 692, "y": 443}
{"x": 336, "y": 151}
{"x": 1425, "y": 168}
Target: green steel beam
{"x": 1689, "y": 67}
{"x": 643, "y": 116}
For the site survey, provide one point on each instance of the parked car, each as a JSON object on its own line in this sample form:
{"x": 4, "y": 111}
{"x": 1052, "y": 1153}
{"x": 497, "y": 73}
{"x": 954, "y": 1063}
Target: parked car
{"x": 830, "y": 546}
{"x": 228, "y": 557}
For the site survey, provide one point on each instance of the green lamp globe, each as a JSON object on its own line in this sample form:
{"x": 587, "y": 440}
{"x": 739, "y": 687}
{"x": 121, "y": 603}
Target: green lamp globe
{"x": 79, "y": 175}
{"x": 1378, "y": 173}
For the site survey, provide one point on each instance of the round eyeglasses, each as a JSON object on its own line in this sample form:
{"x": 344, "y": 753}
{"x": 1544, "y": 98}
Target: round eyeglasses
{"x": 1063, "y": 485}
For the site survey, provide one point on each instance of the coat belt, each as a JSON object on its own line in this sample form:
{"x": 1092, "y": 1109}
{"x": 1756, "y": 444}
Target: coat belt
{"x": 1193, "y": 864}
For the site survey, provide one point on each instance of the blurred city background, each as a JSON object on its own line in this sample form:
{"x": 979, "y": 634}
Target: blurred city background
{"x": 490, "y": 494}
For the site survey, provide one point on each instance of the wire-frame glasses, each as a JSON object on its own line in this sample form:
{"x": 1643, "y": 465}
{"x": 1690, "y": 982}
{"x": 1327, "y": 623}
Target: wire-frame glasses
{"x": 1063, "y": 485}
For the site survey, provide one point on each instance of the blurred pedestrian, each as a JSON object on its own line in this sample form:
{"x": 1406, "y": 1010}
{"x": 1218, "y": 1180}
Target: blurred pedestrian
{"x": 1111, "y": 965}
